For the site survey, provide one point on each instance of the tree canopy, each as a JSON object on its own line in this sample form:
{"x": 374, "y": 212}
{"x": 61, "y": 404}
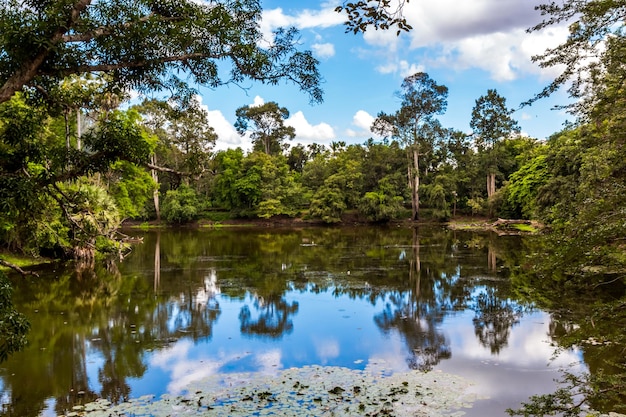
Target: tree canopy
{"x": 146, "y": 45}
{"x": 591, "y": 25}
{"x": 267, "y": 126}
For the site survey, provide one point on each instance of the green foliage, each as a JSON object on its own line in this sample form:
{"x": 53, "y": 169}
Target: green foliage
{"x": 268, "y": 130}
{"x": 118, "y": 136}
{"x": 524, "y": 184}
{"x": 181, "y": 206}
{"x": 477, "y": 205}
{"x": 491, "y": 120}
{"x": 131, "y": 188}
{"x": 328, "y": 204}
{"x": 13, "y": 325}
{"x": 105, "y": 36}
{"x": 89, "y": 211}
{"x": 380, "y": 207}
{"x": 437, "y": 201}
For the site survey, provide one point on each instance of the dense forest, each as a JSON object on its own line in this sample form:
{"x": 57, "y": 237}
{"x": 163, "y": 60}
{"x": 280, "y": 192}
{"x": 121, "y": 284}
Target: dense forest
{"x": 77, "y": 157}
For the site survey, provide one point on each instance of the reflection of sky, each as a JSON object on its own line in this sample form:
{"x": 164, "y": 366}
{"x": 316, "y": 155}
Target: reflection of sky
{"x": 340, "y": 331}
{"x": 525, "y": 367}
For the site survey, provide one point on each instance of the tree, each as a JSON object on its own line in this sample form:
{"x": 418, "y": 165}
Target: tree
{"x": 414, "y": 125}
{"x": 379, "y": 14}
{"x": 144, "y": 44}
{"x": 267, "y": 124}
{"x": 185, "y": 139}
{"x": 491, "y": 122}
{"x": 591, "y": 24}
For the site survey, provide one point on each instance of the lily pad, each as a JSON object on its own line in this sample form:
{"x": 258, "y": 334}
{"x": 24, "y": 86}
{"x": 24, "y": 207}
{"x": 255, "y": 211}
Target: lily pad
{"x": 329, "y": 391}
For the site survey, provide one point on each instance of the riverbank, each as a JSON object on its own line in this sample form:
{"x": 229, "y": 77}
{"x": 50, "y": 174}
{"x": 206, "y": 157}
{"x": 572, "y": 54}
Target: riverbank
{"x": 499, "y": 226}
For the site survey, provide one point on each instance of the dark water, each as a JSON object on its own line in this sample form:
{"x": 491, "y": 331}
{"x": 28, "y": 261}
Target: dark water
{"x": 187, "y": 304}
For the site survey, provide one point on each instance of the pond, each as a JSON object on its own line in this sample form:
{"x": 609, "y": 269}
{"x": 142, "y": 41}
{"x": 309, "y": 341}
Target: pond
{"x": 190, "y": 305}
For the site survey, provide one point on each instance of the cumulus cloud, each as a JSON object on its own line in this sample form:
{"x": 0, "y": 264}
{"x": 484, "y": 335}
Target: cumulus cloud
{"x": 450, "y": 20}
{"x": 324, "y": 50}
{"x": 402, "y": 67}
{"x": 362, "y": 121}
{"x": 486, "y": 34}
{"x": 305, "y": 132}
{"x": 304, "y": 19}
{"x": 226, "y": 133}
{"x": 257, "y": 102}
{"x": 506, "y": 56}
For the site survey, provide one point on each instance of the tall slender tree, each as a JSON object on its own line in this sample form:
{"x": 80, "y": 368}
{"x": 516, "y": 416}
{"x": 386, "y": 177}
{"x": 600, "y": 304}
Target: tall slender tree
{"x": 414, "y": 125}
{"x": 491, "y": 122}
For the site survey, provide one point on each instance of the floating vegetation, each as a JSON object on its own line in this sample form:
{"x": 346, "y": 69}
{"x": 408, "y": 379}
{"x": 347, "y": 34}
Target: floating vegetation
{"x": 307, "y": 391}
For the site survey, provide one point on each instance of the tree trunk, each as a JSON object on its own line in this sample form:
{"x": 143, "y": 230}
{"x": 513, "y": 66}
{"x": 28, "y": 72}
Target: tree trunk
{"x": 79, "y": 130}
{"x": 155, "y": 193}
{"x": 414, "y": 181}
{"x": 66, "y": 118}
{"x": 491, "y": 184}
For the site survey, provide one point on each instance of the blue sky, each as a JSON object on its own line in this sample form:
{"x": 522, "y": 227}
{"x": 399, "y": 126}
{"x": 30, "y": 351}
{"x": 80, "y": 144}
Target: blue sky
{"x": 469, "y": 46}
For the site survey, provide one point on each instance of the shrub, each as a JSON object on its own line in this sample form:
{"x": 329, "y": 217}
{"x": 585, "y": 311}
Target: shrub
{"x": 180, "y": 206}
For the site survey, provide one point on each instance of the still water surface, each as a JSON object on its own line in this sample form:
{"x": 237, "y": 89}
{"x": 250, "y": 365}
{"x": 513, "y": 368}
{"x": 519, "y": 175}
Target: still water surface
{"x": 191, "y": 303}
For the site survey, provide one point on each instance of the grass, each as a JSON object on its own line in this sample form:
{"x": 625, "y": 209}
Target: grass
{"x": 22, "y": 261}
{"x": 527, "y": 228}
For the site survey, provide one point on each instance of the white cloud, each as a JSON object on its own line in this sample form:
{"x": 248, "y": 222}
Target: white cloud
{"x": 226, "y": 133}
{"x": 306, "y": 132}
{"x": 258, "y": 101}
{"x": 327, "y": 17}
{"x": 305, "y": 19}
{"x": 486, "y": 34}
{"x": 324, "y": 50}
{"x": 407, "y": 69}
{"x": 506, "y": 56}
{"x": 363, "y": 120}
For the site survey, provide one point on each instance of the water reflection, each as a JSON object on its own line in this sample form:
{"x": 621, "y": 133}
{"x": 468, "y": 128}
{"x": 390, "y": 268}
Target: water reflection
{"x": 187, "y": 304}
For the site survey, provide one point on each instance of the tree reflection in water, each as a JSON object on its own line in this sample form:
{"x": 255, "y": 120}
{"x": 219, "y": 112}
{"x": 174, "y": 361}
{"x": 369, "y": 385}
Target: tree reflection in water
{"x": 273, "y": 320}
{"x": 417, "y": 312}
{"x": 495, "y": 317}
{"x": 172, "y": 286}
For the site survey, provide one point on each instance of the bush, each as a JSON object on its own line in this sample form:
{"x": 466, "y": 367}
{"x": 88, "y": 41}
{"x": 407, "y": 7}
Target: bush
{"x": 327, "y": 204}
{"x": 380, "y": 207}
{"x": 181, "y": 206}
